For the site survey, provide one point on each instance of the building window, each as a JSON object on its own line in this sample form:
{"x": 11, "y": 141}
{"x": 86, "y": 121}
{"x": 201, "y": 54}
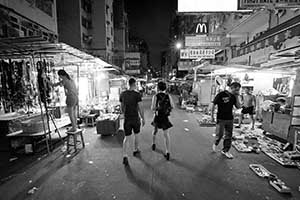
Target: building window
{"x": 86, "y": 23}
{"x": 107, "y": 41}
{"x": 90, "y": 25}
{"x": 111, "y": 17}
{"x": 112, "y": 31}
{"x": 107, "y": 10}
{"x": 86, "y": 5}
{"x": 107, "y": 29}
{"x": 45, "y": 6}
{"x": 86, "y": 39}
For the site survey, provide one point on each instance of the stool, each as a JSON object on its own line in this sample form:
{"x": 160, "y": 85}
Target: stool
{"x": 75, "y": 141}
{"x": 90, "y": 120}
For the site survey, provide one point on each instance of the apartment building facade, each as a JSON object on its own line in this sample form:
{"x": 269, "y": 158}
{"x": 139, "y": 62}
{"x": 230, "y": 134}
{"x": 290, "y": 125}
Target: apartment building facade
{"x": 88, "y": 27}
{"x": 28, "y": 18}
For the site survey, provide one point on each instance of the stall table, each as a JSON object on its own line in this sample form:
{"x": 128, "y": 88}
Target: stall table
{"x": 11, "y": 124}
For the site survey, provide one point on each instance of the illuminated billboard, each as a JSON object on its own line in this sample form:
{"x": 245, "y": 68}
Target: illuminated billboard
{"x": 207, "y": 5}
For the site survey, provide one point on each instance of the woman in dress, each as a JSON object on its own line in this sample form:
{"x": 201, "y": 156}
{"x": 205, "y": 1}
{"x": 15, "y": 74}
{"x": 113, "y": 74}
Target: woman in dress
{"x": 162, "y": 104}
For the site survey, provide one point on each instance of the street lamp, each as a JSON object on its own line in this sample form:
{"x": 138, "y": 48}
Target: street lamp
{"x": 178, "y": 45}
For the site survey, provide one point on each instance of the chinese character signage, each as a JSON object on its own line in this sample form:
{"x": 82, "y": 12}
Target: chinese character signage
{"x": 254, "y": 4}
{"x": 187, "y": 65}
{"x": 202, "y": 41}
{"x": 132, "y": 63}
{"x": 197, "y": 54}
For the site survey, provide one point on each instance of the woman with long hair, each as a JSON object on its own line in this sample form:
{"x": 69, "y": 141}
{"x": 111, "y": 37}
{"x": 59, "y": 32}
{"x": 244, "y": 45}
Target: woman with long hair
{"x": 71, "y": 94}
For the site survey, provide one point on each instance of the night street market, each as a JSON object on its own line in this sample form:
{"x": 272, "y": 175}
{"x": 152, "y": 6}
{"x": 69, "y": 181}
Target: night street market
{"x": 150, "y": 99}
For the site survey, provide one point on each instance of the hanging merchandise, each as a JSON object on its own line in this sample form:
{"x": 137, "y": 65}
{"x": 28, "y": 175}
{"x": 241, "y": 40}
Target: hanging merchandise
{"x": 19, "y": 90}
{"x": 43, "y": 84}
{"x": 13, "y": 88}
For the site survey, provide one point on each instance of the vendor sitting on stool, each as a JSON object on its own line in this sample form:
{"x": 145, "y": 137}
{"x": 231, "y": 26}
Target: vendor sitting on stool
{"x": 71, "y": 94}
{"x": 249, "y": 105}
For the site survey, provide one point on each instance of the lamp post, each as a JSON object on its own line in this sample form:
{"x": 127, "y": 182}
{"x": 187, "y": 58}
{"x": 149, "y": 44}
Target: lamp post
{"x": 178, "y": 46}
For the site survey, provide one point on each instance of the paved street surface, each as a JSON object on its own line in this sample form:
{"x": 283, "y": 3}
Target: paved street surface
{"x": 193, "y": 172}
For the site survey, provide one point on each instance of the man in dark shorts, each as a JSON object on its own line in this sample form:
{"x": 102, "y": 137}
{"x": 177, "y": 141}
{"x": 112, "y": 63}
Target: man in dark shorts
{"x": 249, "y": 105}
{"x": 133, "y": 116}
{"x": 225, "y": 101}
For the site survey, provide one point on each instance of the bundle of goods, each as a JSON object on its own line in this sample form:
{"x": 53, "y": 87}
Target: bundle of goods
{"x": 292, "y": 155}
{"x": 276, "y": 153}
{"x": 206, "y": 121}
{"x": 190, "y": 108}
{"x": 260, "y": 170}
{"x": 279, "y": 185}
{"x": 274, "y": 181}
{"x": 240, "y": 146}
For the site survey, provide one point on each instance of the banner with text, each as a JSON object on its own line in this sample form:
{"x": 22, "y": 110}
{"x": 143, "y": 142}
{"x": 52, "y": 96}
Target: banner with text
{"x": 197, "y": 54}
{"x": 202, "y": 41}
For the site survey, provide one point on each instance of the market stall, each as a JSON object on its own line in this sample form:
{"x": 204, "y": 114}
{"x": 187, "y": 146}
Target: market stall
{"x": 30, "y": 108}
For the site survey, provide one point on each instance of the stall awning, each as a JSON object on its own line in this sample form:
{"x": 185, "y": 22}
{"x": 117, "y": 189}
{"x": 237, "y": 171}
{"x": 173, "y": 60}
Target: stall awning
{"x": 62, "y": 54}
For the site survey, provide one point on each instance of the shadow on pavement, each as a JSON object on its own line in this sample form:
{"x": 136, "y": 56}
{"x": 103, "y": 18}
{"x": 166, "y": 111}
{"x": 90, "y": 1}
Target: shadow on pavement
{"x": 151, "y": 189}
{"x": 50, "y": 165}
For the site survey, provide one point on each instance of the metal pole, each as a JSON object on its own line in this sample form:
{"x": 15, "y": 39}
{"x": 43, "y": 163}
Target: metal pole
{"x": 78, "y": 75}
{"x": 42, "y": 113}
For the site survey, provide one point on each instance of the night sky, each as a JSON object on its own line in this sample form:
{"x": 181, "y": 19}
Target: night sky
{"x": 150, "y": 20}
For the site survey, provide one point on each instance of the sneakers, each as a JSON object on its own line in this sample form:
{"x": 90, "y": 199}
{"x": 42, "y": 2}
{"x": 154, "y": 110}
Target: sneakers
{"x": 227, "y": 154}
{"x": 167, "y": 156}
{"x": 125, "y": 161}
{"x": 214, "y": 148}
{"x": 153, "y": 147}
{"x": 136, "y": 152}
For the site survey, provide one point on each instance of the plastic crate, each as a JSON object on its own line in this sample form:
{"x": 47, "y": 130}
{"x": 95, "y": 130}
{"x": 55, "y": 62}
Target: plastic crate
{"x": 107, "y": 127}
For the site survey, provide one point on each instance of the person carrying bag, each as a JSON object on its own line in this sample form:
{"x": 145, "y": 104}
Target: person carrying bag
{"x": 162, "y": 105}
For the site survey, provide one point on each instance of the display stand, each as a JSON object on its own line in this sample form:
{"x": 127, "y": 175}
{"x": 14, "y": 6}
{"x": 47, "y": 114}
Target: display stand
{"x": 43, "y": 100}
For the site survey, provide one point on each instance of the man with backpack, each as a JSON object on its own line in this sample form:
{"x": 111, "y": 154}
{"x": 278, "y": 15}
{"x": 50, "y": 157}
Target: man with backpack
{"x": 162, "y": 105}
{"x": 133, "y": 116}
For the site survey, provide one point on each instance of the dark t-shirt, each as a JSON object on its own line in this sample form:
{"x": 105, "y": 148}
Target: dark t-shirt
{"x": 225, "y": 101}
{"x": 130, "y": 100}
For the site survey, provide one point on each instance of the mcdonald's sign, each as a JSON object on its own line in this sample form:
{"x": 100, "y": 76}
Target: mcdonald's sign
{"x": 202, "y": 28}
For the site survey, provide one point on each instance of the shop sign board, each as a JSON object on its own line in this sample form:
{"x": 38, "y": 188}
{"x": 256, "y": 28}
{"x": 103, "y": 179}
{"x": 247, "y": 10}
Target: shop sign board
{"x": 187, "y": 65}
{"x": 197, "y": 54}
{"x": 201, "y": 28}
{"x": 285, "y": 37}
{"x": 133, "y": 58}
{"x": 202, "y": 41}
{"x": 254, "y": 4}
{"x": 132, "y": 71}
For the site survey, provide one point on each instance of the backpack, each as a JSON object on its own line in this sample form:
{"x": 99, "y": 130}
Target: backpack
{"x": 163, "y": 105}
